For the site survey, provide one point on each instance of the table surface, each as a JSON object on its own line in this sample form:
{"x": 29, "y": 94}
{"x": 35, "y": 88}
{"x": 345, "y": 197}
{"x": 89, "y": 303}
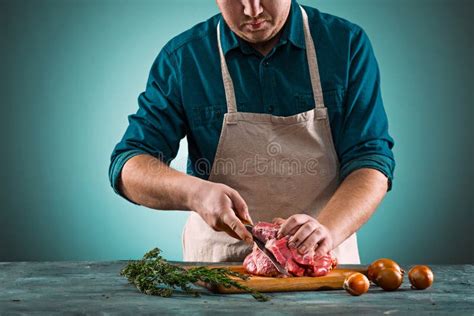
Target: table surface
{"x": 97, "y": 287}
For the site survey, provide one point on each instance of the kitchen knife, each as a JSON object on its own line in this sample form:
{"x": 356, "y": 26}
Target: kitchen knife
{"x": 261, "y": 245}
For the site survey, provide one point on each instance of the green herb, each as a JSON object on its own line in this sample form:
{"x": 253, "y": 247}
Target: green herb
{"x": 153, "y": 275}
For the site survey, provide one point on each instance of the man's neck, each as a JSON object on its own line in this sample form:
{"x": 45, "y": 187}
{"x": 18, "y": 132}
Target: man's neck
{"x": 265, "y": 47}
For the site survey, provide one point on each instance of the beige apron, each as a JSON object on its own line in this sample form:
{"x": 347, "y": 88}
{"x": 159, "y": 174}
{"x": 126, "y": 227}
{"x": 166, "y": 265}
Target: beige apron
{"x": 280, "y": 165}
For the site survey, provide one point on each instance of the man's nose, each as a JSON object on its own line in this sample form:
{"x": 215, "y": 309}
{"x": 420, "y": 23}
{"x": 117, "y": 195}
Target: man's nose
{"x": 252, "y": 8}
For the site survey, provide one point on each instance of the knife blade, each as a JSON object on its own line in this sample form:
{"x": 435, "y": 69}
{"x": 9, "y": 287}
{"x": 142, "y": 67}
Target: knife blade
{"x": 261, "y": 245}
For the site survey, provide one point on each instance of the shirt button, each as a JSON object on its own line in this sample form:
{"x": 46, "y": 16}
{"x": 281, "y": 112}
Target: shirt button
{"x": 270, "y": 109}
{"x": 266, "y": 63}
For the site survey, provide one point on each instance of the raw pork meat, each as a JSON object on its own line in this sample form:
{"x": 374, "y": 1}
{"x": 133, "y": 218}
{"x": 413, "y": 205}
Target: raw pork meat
{"x": 295, "y": 263}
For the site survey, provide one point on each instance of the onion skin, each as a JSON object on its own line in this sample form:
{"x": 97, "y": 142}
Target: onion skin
{"x": 380, "y": 264}
{"x": 421, "y": 277}
{"x": 389, "y": 279}
{"x": 356, "y": 284}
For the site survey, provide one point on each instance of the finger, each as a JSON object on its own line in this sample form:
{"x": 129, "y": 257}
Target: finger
{"x": 227, "y": 230}
{"x": 231, "y": 233}
{"x": 278, "y": 220}
{"x": 240, "y": 206}
{"x": 292, "y": 224}
{"x": 311, "y": 242}
{"x": 301, "y": 234}
{"x": 235, "y": 225}
{"x": 223, "y": 227}
{"x": 322, "y": 249}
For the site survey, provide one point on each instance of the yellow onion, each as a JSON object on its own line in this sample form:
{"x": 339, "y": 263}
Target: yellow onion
{"x": 421, "y": 277}
{"x": 356, "y": 284}
{"x": 380, "y": 264}
{"x": 389, "y": 279}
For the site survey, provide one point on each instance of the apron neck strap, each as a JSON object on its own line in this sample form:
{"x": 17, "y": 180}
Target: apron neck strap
{"x": 228, "y": 85}
{"x": 312, "y": 64}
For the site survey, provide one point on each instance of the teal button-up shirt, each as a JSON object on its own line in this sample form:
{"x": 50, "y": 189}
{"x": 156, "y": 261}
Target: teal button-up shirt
{"x": 185, "y": 95}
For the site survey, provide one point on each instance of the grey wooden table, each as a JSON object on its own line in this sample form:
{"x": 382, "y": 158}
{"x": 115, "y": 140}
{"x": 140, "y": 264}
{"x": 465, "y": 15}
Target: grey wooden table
{"x": 97, "y": 288}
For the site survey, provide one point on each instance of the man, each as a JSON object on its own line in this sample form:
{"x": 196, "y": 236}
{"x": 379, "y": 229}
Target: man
{"x": 282, "y": 110}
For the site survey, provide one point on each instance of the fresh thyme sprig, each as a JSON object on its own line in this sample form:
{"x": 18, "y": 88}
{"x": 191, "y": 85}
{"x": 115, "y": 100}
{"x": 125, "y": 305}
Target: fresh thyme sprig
{"x": 153, "y": 275}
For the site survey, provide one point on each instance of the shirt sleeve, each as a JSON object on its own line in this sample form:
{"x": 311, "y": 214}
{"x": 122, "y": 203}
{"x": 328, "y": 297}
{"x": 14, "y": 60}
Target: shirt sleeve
{"x": 158, "y": 125}
{"x": 365, "y": 141}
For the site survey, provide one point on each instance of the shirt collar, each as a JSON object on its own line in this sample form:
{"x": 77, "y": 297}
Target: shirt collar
{"x": 292, "y": 31}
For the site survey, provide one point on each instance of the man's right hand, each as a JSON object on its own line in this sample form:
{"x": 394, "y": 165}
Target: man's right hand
{"x": 222, "y": 208}
{"x": 148, "y": 181}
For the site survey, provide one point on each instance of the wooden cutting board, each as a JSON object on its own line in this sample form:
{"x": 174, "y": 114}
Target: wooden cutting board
{"x": 332, "y": 281}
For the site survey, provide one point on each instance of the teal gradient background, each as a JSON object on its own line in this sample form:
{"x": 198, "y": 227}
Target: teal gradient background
{"x": 71, "y": 72}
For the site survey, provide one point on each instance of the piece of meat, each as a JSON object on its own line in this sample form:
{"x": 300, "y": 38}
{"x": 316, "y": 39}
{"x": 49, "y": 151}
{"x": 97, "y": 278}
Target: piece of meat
{"x": 290, "y": 258}
{"x": 296, "y": 264}
{"x": 265, "y": 231}
{"x": 258, "y": 264}
{"x": 294, "y": 268}
{"x": 322, "y": 266}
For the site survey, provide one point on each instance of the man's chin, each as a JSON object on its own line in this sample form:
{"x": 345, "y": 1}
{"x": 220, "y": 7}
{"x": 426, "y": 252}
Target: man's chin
{"x": 256, "y": 37}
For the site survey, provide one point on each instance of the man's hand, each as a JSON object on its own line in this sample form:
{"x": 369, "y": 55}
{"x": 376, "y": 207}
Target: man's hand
{"x": 148, "y": 181}
{"x": 222, "y": 208}
{"x": 306, "y": 234}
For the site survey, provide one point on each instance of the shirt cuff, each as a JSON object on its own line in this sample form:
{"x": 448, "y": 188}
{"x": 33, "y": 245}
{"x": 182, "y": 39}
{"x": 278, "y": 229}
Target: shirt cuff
{"x": 116, "y": 166}
{"x": 381, "y": 163}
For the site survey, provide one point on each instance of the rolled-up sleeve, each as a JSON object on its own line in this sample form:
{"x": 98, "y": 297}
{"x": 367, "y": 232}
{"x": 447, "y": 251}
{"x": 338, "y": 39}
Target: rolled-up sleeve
{"x": 365, "y": 141}
{"x": 158, "y": 125}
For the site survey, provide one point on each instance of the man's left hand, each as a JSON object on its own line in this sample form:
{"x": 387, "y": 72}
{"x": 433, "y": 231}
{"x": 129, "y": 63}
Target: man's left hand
{"x": 306, "y": 233}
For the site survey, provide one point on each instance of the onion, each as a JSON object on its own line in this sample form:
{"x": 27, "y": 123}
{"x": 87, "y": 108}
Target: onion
{"x": 389, "y": 279}
{"x": 421, "y": 277}
{"x": 356, "y": 284}
{"x": 380, "y": 264}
